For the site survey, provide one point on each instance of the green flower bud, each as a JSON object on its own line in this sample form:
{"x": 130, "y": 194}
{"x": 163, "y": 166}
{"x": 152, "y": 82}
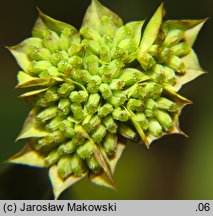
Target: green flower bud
{"x": 149, "y": 113}
{"x": 51, "y": 40}
{"x": 47, "y": 114}
{"x": 66, "y": 127}
{"x": 93, "y": 164}
{"x": 156, "y": 73}
{"x": 116, "y": 84}
{"x": 166, "y": 104}
{"x": 150, "y": 108}
{"x": 63, "y": 67}
{"x": 176, "y": 63}
{"x": 94, "y": 47}
{"x": 85, "y": 150}
{"x": 90, "y": 34}
{"x": 147, "y": 61}
{"x": 120, "y": 115}
{"x": 127, "y": 132}
{"x": 51, "y": 140}
{"x": 55, "y": 123}
{"x": 140, "y": 93}
{"x": 78, "y": 137}
{"x": 154, "y": 50}
{"x": 164, "y": 119}
{"x": 110, "y": 124}
{"x": 65, "y": 89}
{"x": 173, "y": 37}
{"x": 40, "y": 66}
{"x": 53, "y": 157}
{"x": 64, "y": 167}
{"x": 154, "y": 90}
{"x": 105, "y": 73}
{"x": 117, "y": 101}
{"x": 142, "y": 120}
{"x": 135, "y": 105}
{"x": 77, "y": 111}
{"x": 105, "y": 110}
{"x": 110, "y": 144}
{"x": 93, "y": 84}
{"x": 76, "y": 61}
{"x": 93, "y": 102}
{"x": 105, "y": 54}
{"x": 130, "y": 76}
{"x": 151, "y": 105}
{"x": 68, "y": 147}
{"x": 155, "y": 128}
{"x": 169, "y": 75}
{"x": 77, "y": 165}
{"x": 115, "y": 68}
{"x": 53, "y": 72}
{"x": 58, "y": 57}
{"x": 105, "y": 91}
{"x": 64, "y": 106}
{"x": 43, "y": 74}
{"x": 78, "y": 96}
{"x": 51, "y": 94}
{"x": 93, "y": 123}
{"x": 99, "y": 134}
{"x": 164, "y": 54}
{"x": 74, "y": 48}
{"x": 82, "y": 76}
{"x": 92, "y": 64}
{"x": 181, "y": 49}
{"x": 40, "y": 54}
{"x": 65, "y": 38}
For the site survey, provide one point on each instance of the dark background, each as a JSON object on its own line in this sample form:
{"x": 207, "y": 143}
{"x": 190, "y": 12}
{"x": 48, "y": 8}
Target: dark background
{"x": 174, "y": 168}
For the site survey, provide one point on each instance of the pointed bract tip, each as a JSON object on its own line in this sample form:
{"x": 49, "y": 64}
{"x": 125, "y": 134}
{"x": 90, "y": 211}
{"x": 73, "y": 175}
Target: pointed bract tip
{"x": 206, "y": 19}
{"x": 162, "y": 8}
{"x": 9, "y": 47}
{"x": 188, "y": 102}
{"x": 184, "y": 134}
{"x": 39, "y": 11}
{"x": 148, "y": 146}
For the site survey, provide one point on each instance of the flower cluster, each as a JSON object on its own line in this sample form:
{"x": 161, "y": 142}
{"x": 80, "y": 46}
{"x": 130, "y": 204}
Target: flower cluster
{"x": 92, "y": 90}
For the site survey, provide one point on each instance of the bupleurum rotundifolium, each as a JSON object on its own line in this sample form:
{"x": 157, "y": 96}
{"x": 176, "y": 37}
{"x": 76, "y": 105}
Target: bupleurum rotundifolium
{"x": 94, "y": 89}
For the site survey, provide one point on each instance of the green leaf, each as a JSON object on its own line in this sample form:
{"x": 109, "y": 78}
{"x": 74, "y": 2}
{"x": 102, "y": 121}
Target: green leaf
{"x": 31, "y": 127}
{"x": 151, "y": 32}
{"x": 94, "y": 17}
{"x": 26, "y": 80}
{"x": 60, "y": 185}
{"x": 21, "y": 51}
{"x": 46, "y": 22}
{"x": 28, "y": 156}
{"x": 193, "y": 70}
{"x": 102, "y": 179}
